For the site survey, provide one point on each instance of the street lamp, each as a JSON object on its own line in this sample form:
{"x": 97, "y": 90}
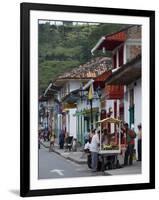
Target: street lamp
{"x": 99, "y": 92}
{"x": 82, "y": 98}
{"x": 91, "y": 112}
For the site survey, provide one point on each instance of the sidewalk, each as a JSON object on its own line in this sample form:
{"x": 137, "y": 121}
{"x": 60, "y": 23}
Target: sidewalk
{"x": 76, "y": 157}
{"x": 127, "y": 170}
{"x": 70, "y": 155}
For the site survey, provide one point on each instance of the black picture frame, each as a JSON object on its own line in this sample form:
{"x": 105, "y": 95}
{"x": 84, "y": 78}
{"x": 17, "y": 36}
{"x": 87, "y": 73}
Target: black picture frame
{"x": 25, "y": 9}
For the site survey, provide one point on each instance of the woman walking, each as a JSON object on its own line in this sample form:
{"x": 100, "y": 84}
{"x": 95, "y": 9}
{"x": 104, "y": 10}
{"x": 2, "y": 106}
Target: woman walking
{"x": 52, "y": 141}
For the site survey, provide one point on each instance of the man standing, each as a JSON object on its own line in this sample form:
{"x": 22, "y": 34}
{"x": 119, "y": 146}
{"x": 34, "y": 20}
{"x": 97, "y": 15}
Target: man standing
{"x": 94, "y": 148}
{"x": 130, "y": 136}
{"x": 139, "y": 142}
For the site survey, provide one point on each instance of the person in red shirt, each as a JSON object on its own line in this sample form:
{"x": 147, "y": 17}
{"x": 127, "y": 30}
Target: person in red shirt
{"x": 130, "y": 140}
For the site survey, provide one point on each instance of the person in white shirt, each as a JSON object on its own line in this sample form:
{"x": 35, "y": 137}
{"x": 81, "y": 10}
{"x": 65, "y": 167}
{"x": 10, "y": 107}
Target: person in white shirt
{"x": 86, "y": 149}
{"x": 94, "y": 148}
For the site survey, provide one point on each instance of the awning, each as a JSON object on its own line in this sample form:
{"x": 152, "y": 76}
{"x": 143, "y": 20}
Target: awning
{"x": 110, "y": 42}
{"x": 51, "y": 90}
{"x": 68, "y": 106}
{"x": 72, "y": 97}
{"x": 86, "y": 111}
{"x": 126, "y": 74}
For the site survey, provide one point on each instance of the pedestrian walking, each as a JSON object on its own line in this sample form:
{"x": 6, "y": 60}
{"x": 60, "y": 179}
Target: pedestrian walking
{"x": 94, "y": 148}
{"x": 130, "y": 136}
{"x": 61, "y": 139}
{"x": 139, "y": 142}
{"x": 52, "y": 141}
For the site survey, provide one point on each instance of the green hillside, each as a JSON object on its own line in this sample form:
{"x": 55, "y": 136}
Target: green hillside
{"x": 65, "y": 46}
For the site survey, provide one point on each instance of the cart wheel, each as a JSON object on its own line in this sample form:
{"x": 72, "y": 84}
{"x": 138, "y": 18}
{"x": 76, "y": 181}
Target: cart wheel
{"x": 117, "y": 164}
{"x": 99, "y": 166}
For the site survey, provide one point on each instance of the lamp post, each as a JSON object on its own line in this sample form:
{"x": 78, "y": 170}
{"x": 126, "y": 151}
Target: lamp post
{"x": 99, "y": 92}
{"x": 90, "y": 98}
{"x": 82, "y": 96}
{"x": 91, "y": 114}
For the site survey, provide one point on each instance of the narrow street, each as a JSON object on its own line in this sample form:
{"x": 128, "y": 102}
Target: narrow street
{"x": 52, "y": 165}
{"x": 94, "y": 100}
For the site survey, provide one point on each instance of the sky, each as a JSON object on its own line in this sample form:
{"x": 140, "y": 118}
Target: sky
{"x": 52, "y": 22}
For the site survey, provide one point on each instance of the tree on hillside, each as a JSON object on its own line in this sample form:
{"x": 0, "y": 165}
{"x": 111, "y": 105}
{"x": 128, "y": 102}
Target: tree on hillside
{"x": 65, "y": 45}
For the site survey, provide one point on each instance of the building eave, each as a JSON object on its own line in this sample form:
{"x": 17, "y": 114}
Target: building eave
{"x": 116, "y": 39}
{"x": 97, "y": 45}
{"x": 126, "y": 74}
{"x": 71, "y": 97}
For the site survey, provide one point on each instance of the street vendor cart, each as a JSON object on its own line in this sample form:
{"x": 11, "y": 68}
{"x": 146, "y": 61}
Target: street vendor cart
{"x": 110, "y": 144}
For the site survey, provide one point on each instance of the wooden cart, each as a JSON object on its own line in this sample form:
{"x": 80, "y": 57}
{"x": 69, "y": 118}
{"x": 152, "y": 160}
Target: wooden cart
{"x": 109, "y": 154}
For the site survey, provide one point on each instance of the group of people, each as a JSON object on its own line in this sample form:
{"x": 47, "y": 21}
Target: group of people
{"x": 69, "y": 142}
{"x": 46, "y": 135}
{"x": 92, "y": 142}
{"x": 64, "y": 140}
{"x": 130, "y": 141}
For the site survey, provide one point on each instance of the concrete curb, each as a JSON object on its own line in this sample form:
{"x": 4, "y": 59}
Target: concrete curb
{"x": 70, "y": 158}
{"x": 66, "y": 157}
{"x": 77, "y": 161}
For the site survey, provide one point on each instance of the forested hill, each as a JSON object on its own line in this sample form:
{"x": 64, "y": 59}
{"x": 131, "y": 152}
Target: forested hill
{"x": 65, "y": 46}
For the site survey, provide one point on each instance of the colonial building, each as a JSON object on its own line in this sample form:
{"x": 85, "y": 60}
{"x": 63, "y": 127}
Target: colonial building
{"x": 123, "y": 86}
{"x": 73, "y": 112}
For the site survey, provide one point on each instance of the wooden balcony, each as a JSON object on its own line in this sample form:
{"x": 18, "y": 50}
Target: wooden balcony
{"x": 114, "y": 91}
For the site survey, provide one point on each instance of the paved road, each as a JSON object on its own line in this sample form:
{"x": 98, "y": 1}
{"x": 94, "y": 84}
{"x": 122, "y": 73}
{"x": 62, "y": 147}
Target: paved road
{"x": 52, "y": 165}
